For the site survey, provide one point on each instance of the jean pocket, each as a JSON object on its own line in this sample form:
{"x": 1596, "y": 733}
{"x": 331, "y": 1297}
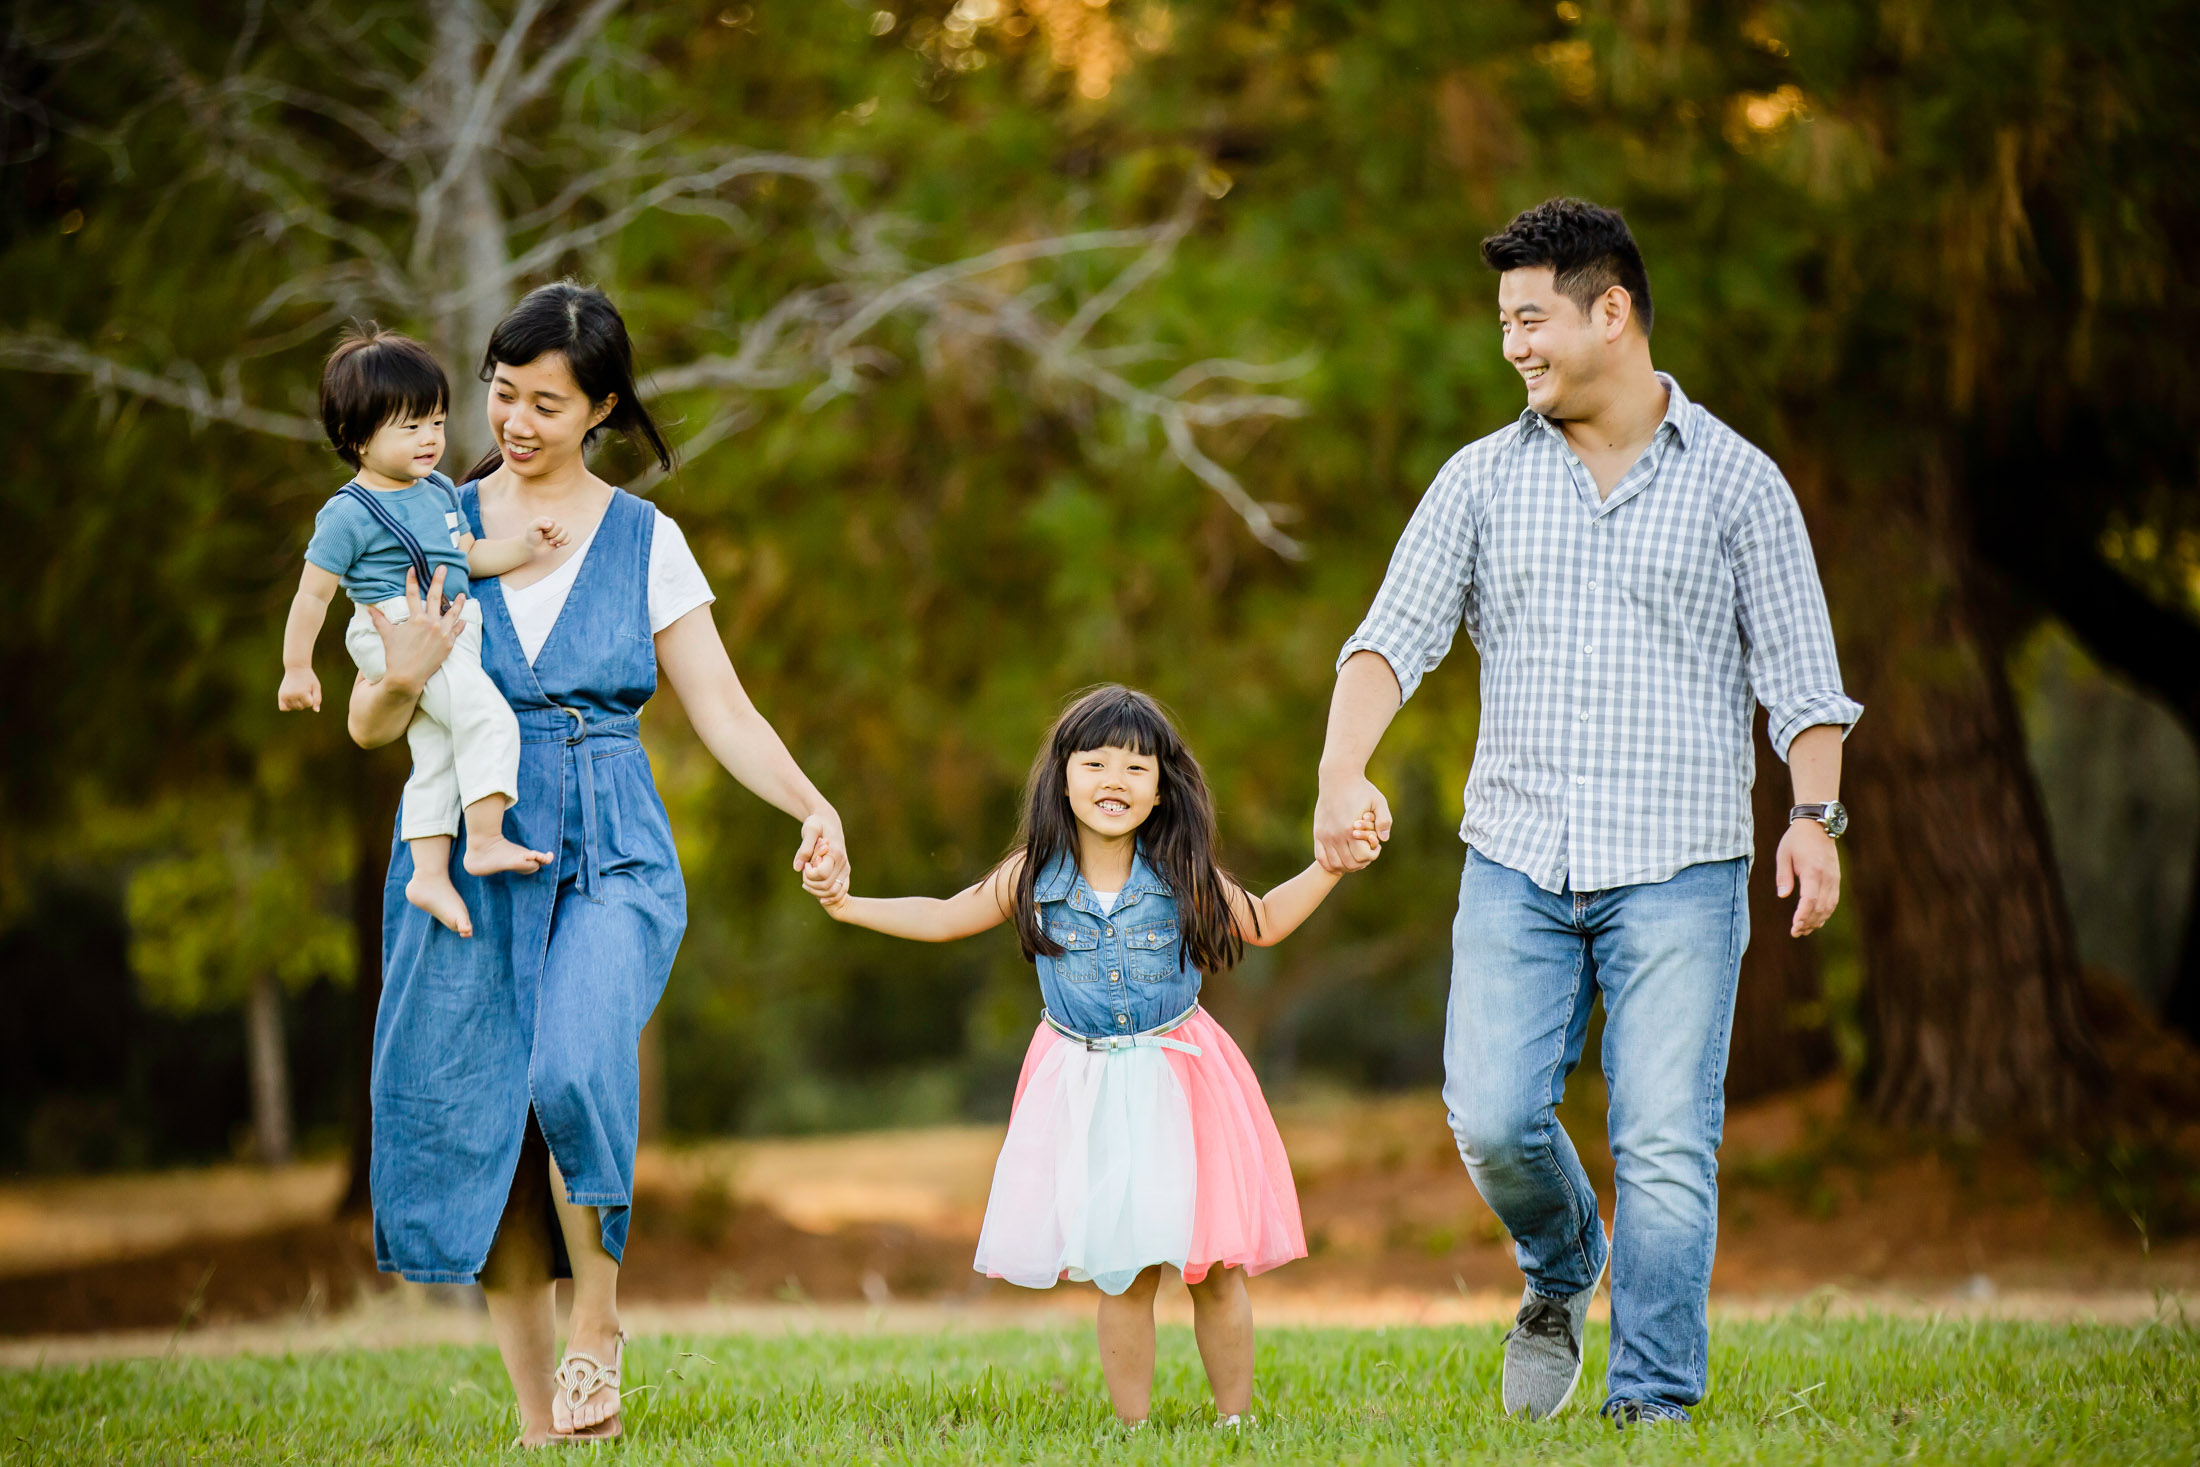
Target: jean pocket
{"x": 1080, "y": 959}
{"x": 1153, "y": 951}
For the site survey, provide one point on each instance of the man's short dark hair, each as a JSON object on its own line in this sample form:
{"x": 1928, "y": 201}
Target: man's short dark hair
{"x": 376, "y": 377}
{"x": 1588, "y": 249}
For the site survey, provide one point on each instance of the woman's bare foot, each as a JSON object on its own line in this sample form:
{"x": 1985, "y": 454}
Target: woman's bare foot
{"x": 487, "y": 858}
{"x": 594, "y": 1358}
{"x": 432, "y": 892}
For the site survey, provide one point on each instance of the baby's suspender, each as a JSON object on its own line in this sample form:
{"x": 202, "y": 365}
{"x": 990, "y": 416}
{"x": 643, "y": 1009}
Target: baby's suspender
{"x": 396, "y": 527}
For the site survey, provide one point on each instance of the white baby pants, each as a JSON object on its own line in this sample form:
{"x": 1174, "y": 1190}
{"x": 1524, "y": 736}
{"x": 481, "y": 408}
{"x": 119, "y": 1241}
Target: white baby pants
{"x": 465, "y": 741}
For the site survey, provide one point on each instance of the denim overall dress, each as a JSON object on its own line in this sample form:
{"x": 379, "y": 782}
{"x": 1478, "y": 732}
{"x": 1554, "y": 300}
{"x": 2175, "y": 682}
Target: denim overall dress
{"x": 543, "y": 1007}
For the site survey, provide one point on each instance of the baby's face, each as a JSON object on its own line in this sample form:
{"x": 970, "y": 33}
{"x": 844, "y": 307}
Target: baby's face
{"x": 1112, "y": 790}
{"x": 405, "y": 448}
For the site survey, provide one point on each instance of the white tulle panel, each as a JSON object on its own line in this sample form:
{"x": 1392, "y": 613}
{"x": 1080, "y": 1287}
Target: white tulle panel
{"x": 1098, "y": 1177}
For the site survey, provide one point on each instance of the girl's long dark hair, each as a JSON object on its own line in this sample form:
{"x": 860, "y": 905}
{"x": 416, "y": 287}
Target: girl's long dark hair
{"x": 580, "y": 323}
{"x": 1178, "y": 839}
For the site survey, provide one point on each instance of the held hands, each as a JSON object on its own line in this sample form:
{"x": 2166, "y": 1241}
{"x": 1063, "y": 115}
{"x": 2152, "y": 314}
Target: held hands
{"x": 1351, "y": 820}
{"x": 300, "y": 692}
{"x": 1809, "y": 862}
{"x": 545, "y": 534}
{"x": 822, "y": 859}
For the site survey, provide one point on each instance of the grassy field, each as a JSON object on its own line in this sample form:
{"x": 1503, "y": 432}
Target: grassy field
{"x": 1794, "y": 1390}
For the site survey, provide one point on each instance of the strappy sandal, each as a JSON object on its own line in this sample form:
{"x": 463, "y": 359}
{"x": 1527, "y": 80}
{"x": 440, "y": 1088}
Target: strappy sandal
{"x": 579, "y": 1376}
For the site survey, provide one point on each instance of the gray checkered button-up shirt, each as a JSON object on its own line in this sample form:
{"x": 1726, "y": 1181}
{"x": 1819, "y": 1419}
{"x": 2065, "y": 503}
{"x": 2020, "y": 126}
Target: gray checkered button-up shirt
{"x": 1623, "y": 641}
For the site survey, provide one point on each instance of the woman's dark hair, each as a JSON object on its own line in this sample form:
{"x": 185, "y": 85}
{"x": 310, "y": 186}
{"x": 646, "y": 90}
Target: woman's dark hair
{"x": 373, "y": 378}
{"x": 1178, "y": 839}
{"x": 580, "y": 324}
{"x": 1589, "y": 249}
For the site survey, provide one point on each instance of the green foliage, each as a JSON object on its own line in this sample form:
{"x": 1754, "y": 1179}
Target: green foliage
{"x": 1798, "y": 1389}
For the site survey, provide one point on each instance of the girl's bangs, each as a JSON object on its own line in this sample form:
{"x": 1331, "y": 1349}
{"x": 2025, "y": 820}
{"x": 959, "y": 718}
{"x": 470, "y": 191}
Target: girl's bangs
{"x": 1122, "y": 722}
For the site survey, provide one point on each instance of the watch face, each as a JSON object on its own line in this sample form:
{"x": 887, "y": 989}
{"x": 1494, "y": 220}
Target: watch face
{"x": 1837, "y": 819}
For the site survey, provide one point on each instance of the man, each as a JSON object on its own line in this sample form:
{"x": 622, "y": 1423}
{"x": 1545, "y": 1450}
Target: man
{"x": 1632, "y": 572}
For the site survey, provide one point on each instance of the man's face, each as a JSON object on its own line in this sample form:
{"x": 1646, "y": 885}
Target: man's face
{"x": 1558, "y": 348}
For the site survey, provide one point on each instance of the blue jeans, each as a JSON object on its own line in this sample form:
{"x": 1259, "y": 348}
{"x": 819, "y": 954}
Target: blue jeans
{"x": 1526, "y": 965}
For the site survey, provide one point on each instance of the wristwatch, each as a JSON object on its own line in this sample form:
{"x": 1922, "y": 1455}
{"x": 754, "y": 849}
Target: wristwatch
{"x": 1832, "y": 817}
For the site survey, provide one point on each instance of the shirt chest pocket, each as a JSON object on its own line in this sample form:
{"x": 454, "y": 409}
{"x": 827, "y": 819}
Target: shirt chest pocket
{"x": 1080, "y": 959}
{"x": 1152, "y": 950}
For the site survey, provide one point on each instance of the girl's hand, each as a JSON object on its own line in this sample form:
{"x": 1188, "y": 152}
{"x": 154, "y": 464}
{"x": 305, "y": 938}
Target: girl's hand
{"x": 300, "y": 691}
{"x": 824, "y": 846}
{"x": 830, "y": 888}
{"x": 1367, "y": 840}
{"x": 546, "y": 534}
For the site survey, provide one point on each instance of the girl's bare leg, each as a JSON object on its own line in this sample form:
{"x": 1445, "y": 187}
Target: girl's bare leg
{"x": 594, "y": 1326}
{"x": 430, "y": 888}
{"x": 1222, "y": 1319}
{"x": 516, "y": 1284}
{"x": 1126, "y": 1346}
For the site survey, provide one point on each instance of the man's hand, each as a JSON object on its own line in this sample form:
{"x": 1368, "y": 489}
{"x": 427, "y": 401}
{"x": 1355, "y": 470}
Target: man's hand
{"x": 300, "y": 692}
{"x": 1809, "y": 861}
{"x": 1337, "y": 823}
{"x": 546, "y": 534}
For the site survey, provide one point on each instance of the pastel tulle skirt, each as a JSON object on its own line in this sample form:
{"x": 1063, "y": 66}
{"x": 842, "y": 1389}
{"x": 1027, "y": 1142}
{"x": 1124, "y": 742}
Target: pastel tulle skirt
{"x": 1119, "y": 1160}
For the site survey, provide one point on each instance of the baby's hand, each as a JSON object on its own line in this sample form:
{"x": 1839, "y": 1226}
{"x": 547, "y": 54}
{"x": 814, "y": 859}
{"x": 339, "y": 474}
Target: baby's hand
{"x": 546, "y": 534}
{"x": 301, "y": 691}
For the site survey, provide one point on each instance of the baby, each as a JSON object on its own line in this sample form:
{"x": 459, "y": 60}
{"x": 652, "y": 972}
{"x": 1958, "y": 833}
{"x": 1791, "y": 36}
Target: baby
{"x": 383, "y": 398}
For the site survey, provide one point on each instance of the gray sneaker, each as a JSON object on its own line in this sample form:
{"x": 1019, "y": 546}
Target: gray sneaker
{"x": 1543, "y": 1353}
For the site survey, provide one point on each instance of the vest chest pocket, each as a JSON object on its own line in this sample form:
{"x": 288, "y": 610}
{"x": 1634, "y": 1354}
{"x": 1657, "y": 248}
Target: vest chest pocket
{"x": 1152, "y": 951}
{"x": 1080, "y": 962}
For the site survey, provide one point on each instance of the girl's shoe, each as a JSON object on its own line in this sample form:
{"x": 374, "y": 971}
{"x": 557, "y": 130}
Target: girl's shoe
{"x": 1241, "y": 1422}
{"x": 579, "y": 1376}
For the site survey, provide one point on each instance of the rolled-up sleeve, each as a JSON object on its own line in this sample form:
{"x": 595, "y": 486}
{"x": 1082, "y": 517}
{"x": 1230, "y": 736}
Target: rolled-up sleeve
{"x": 1417, "y": 611}
{"x": 1787, "y": 635}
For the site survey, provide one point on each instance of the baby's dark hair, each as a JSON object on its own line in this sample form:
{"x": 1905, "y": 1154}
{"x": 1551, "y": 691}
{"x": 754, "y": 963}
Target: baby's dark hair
{"x": 1178, "y": 839}
{"x": 375, "y": 377}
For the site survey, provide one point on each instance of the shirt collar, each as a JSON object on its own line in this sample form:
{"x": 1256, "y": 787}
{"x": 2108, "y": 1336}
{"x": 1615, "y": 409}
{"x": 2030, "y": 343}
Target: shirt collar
{"x": 1677, "y": 416}
{"x": 1062, "y": 880}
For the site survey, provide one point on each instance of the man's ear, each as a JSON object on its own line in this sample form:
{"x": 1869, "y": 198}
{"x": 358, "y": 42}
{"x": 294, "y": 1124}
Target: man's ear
{"x": 1615, "y": 309}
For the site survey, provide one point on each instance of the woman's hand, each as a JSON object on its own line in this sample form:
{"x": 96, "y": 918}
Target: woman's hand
{"x": 412, "y": 650}
{"x": 822, "y": 858}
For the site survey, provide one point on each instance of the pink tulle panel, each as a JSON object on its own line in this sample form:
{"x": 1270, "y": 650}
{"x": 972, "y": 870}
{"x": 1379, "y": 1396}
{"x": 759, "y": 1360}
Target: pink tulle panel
{"x": 1246, "y": 1213}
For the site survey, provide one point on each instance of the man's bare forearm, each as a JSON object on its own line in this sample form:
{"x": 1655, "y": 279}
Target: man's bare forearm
{"x": 1814, "y": 764}
{"x": 1361, "y": 707}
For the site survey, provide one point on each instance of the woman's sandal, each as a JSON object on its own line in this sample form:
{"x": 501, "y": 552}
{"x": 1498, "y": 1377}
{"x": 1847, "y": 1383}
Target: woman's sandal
{"x": 579, "y": 1376}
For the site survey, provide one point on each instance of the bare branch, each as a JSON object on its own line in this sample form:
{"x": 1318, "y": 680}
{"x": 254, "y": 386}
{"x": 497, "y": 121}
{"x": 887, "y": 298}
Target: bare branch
{"x": 551, "y": 62}
{"x": 182, "y": 386}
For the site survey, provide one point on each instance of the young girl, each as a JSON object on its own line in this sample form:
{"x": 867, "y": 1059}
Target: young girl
{"x": 1139, "y": 1136}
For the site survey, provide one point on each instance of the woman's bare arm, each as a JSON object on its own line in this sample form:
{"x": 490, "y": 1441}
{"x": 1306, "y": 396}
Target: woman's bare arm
{"x": 412, "y": 650}
{"x": 693, "y": 659}
{"x": 974, "y": 909}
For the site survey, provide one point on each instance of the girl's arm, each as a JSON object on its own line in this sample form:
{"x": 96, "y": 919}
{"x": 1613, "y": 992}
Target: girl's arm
{"x": 412, "y": 650}
{"x": 1264, "y": 921}
{"x": 308, "y": 610}
{"x": 486, "y": 558}
{"x": 694, "y": 661}
{"x": 968, "y": 912}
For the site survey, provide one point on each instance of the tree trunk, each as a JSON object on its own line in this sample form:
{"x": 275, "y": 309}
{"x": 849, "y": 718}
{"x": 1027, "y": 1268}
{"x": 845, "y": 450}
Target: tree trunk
{"x": 470, "y": 249}
{"x": 377, "y": 782}
{"x": 1970, "y": 986}
{"x": 1781, "y": 1036}
{"x": 270, "y": 1065}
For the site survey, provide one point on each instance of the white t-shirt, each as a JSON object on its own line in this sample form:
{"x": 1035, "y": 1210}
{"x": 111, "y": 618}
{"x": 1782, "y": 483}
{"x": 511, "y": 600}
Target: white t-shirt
{"x": 1107, "y": 900}
{"x": 676, "y": 587}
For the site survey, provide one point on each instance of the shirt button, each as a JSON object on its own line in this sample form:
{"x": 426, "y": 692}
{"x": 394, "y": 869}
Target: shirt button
{"x": 1113, "y": 974}
{"x": 1592, "y": 585}
{"x": 1588, "y": 648}
{"x": 1110, "y": 931}
{"x": 1121, "y": 1022}
{"x": 1581, "y": 779}
{"x": 1584, "y": 718}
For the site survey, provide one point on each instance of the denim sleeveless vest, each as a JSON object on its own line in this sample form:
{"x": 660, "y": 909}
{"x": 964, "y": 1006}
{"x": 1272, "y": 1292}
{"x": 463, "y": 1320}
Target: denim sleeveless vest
{"x": 1121, "y": 972}
{"x": 542, "y": 1009}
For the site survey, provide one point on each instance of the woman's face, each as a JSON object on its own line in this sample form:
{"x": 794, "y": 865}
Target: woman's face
{"x": 539, "y": 416}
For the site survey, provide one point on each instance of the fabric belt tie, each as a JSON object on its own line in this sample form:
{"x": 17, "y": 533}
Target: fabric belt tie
{"x": 1154, "y": 1038}
{"x": 577, "y": 734}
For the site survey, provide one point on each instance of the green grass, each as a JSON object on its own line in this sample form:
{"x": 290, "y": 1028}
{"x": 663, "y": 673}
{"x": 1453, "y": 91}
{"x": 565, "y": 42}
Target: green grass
{"x": 1794, "y": 1390}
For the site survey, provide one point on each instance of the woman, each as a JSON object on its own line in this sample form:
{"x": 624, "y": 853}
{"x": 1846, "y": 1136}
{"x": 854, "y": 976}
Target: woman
{"x": 506, "y": 1087}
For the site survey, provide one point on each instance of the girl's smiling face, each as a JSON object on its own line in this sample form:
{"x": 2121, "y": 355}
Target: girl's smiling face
{"x": 1112, "y": 790}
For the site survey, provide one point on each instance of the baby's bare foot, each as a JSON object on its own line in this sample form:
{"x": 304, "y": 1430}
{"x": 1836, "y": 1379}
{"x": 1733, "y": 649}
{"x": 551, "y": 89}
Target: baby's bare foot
{"x": 486, "y": 858}
{"x": 432, "y": 892}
